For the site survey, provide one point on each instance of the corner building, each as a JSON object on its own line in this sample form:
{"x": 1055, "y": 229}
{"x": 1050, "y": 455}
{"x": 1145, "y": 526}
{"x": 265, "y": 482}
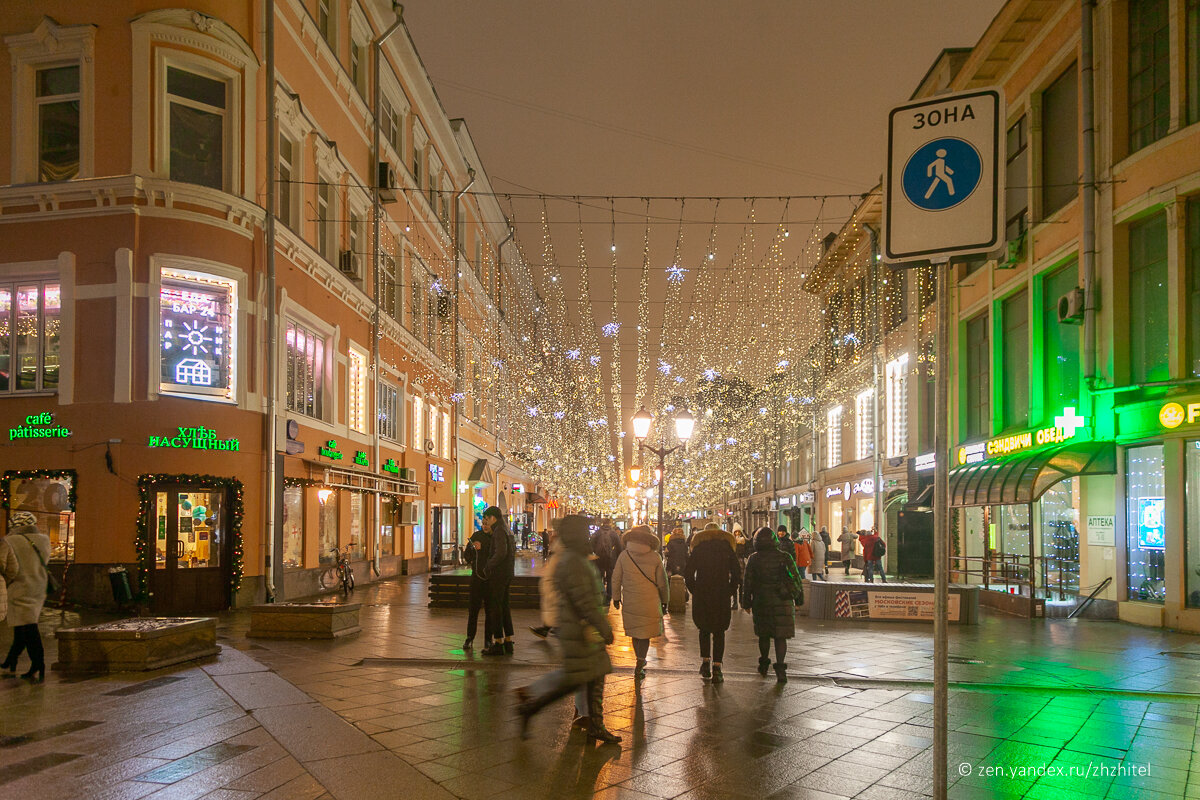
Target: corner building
{"x": 135, "y": 313}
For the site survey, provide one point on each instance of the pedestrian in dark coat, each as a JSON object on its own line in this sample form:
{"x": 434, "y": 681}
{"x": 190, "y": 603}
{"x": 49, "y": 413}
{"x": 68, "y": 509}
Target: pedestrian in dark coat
{"x": 772, "y": 590}
{"x": 478, "y": 551}
{"x": 713, "y": 574}
{"x": 583, "y": 632}
{"x": 677, "y": 552}
{"x": 498, "y": 575}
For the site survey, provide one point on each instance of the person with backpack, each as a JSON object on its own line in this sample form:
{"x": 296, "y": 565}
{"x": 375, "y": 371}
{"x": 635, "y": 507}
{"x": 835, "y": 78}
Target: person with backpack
{"x": 677, "y": 552}
{"x": 771, "y": 590}
{"x": 873, "y": 551}
{"x": 640, "y": 592}
{"x": 712, "y": 575}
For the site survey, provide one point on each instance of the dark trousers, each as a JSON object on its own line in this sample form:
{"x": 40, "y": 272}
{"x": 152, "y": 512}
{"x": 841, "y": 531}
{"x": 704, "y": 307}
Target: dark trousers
{"x": 712, "y": 642}
{"x": 499, "y": 615}
{"x": 608, "y": 571}
{"x": 554, "y": 685}
{"x": 26, "y": 636}
{"x": 640, "y": 648}
{"x": 846, "y": 565}
{"x": 764, "y": 649}
{"x": 478, "y": 595}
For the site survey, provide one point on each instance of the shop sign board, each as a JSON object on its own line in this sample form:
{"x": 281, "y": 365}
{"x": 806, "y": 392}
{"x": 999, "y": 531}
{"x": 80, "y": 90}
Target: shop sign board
{"x": 889, "y": 604}
{"x": 38, "y": 426}
{"x": 1173, "y": 414}
{"x": 865, "y": 486}
{"x": 437, "y": 473}
{"x": 195, "y": 439}
{"x": 391, "y": 466}
{"x": 329, "y": 450}
{"x": 1100, "y": 530}
{"x": 944, "y": 185}
{"x": 360, "y": 458}
{"x": 806, "y": 497}
{"x": 833, "y": 491}
{"x": 1066, "y": 426}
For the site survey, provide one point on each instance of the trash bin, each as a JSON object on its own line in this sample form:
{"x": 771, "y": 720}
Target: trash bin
{"x": 119, "y": 578}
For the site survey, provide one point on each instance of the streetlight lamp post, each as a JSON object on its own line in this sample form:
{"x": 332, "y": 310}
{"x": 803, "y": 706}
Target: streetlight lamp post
{"x": 685, "y": 423}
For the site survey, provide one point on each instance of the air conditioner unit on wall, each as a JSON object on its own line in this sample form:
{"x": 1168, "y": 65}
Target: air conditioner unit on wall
{"x": 1070, "y": 307}
{"x": 348, "y": 263}
{"x": 387, "y": 182}
{"x": 410, "y": 514}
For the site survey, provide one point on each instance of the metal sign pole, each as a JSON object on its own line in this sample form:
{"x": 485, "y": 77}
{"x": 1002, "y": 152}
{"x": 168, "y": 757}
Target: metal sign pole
{"x": 941, "y": 532}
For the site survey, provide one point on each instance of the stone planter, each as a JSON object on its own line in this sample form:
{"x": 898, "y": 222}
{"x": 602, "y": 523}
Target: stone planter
{"x": 304, "y": 620}
{"x": 136, "y": 645}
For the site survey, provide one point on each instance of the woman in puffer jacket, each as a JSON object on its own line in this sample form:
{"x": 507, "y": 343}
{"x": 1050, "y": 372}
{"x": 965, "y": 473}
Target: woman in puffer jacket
{"x": 772, "y": 590}
{"x": 640, "y": 590}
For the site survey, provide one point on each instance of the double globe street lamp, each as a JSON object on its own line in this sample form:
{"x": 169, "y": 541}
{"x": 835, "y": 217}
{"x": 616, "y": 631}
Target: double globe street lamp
{"x": 685, "y": 423}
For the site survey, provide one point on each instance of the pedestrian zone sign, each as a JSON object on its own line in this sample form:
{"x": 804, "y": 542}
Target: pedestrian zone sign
{"x": 943, "y": 190}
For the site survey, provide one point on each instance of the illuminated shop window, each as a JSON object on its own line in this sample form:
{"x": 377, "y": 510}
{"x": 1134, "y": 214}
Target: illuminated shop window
{"x": 327, "y": 526}
{"x": 29, "y": 336}
{"x": 305, "y": 371}
{"x": 445, "y": 434}
{"x": 358, "y": 391}
{"x": 1145, "y": 523}
{"x": 418, "y": 432}
{"x": 1191, "y": 498}
{"x": 388, "y": 412}
{"x": 833, "y": 437}
{"x": 864, "y": 412}
{"x": 897, "y": 407}
{"x": 293, "y": 527}
{"x": 197, "y": 334}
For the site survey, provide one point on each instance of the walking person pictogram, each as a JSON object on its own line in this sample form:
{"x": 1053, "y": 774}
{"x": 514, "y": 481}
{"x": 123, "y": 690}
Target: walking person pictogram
{"x": 940, "y": 173}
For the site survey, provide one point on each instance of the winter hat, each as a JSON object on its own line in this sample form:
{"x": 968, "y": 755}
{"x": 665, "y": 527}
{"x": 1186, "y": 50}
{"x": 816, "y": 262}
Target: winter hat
{"x": 643, "y": 534}
{"x": 22, "y": 522}
{"x": 764, "y": 539}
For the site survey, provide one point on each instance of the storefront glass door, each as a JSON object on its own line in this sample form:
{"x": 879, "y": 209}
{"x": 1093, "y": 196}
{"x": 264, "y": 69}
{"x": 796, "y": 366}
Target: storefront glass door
{"x": 1060, "y": 539}
{"x": 191, "y": 572}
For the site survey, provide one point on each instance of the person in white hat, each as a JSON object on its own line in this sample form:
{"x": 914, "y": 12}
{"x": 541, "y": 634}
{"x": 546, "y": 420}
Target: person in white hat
{"x": 27, "y": 594}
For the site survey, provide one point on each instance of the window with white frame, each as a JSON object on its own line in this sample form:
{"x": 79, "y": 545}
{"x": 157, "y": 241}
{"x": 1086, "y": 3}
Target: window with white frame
{"x": 198, "y": 126}
{"x": 433, "y": 433}
{"x": 389, "y": 288}
{"x": 833, "y": 437}
{"x": 359, "y": 60}
{"x": 327, "y": 22}
{"x": 288, "y": 182}
{"x": 897, "y": 407}
{"x": 390, "y": 124}
{"x": 416, "y": 311}
{"x": 418, "y": 154}
{"x": 30, "y": 318}
{"x": 387, "y": 412}
{"x": 357, "y": 380}
{"x": 864, "y": 429}
{"x": 52, "y": 99}
{"x": 197, "y": 334}
{"x": 418, "y": 423}
{"x": 445, "y": 447}
{"x": 355, "y": 243}
{"x": 305, "y": 370}
{"x": 327, "y": 220}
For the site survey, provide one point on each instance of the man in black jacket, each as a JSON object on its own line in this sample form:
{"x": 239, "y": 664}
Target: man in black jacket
{"x": 478, "y": 551}
{"x": 498, "y": 574}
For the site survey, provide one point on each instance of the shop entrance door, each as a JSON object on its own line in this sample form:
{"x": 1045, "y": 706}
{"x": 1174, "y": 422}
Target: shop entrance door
{"x": 192, "y": 558}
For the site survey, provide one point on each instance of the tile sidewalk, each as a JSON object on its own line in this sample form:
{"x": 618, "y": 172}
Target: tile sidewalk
{"x": 1055, "y": 707}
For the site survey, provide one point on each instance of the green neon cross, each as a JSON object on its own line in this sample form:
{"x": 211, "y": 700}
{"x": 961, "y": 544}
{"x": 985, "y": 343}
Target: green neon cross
{"x": 1069, "y": 422}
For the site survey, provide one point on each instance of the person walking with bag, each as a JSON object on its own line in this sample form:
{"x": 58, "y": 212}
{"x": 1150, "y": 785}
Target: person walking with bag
{"x": 819, "y": 554}
{"x": 478, "y": 551}
{"x": 873, "y": 551}
{"x": 640, "y": 591}
{"x": 772, "y": 590}
{"x": 583, "y": 631}
{"x": 677, "y": 552}
{"x": 713, "y": 574}
{"x": 27, "y": 594}
{"x": 498, "y": 574}
{"x": 847, "y": 540}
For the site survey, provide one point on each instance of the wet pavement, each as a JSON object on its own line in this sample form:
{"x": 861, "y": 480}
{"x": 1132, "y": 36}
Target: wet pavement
{"x": 1039, "y": 709}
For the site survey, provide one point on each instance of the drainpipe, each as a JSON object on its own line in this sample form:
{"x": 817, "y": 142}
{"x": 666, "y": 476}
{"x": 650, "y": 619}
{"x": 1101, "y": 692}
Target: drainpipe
{"x": 458, "y": 384}
{"x": 272, "y": 343}
{"x": 376, "y": 212}
{"x": 1087, "y": 81}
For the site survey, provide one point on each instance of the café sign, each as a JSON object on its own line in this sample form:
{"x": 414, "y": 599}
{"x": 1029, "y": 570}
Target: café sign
{"x": 195, "y": 439}
{"x": 39, "y": 426}
{"x": 1065, "y": 428}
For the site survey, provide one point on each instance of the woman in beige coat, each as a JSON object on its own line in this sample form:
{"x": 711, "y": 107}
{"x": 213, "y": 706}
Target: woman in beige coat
{"x": 27, "y": 593}
{"x": 9, "y": 569}
{"x": 640, "y": 589}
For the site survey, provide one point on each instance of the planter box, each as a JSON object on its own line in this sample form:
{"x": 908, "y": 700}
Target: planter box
{"x": 304, "y": 620}
{"x": 136, "y": 645}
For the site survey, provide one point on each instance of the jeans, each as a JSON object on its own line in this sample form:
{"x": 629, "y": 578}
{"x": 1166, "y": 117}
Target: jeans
{"x": 872, "y": 567}
{"x": 26, "y": 636}
{"x": 802, "y": 576}
{"x": 478, "y": 593}
{"x": 713, "y": 641}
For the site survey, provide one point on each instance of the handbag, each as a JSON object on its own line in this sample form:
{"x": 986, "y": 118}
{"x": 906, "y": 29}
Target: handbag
{"x": 53, "y": 584}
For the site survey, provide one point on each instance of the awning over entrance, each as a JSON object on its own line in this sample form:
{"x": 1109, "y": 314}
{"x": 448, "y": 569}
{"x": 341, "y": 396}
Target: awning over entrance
{"x": 1024, "y": 477}
{"x": 532, "y": 498}
{"x": 481, "y": 474}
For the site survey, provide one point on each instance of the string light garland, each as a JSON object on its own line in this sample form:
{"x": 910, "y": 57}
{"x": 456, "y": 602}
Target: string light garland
{"x": 38, "y": 474}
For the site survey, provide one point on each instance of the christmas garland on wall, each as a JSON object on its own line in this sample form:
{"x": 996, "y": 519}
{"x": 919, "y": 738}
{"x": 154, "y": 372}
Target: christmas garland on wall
{"x": 35, "y": 474}
{"x": 145, "y": 548}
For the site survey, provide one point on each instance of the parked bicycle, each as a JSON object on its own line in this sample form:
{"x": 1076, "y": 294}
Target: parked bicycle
{"x": 339, "y": 571}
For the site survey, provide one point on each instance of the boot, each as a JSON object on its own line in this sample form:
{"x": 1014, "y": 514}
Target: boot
{"x": 764, "y": 666}
{"x": 780, "y": 673}
{"x": 639, "y": 671}
{"x": 705, "y": 669}
{"x": 508, "y": 647}
{"x": 583, "y": 722}
{"x": 717, "y": 676}
{"x": 596, "y": 729}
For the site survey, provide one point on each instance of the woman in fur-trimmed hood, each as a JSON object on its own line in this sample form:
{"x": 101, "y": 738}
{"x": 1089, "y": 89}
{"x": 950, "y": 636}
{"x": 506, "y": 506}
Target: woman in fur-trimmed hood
{"x": 713, "y": 574}
{"x": 640, "y": 590}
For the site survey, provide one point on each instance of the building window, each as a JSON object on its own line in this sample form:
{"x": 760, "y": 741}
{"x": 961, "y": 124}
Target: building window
{"x": 358, "y": 527}
{"x": 1015, "y": 318}
{"x": 417, "y": 157}
{"x": 1149, "y": 72}
{"x": 1016, "y": 172}
{"x": 978, "y": 384}
{"x": 390, "y": 124}
{"x": 864, "y": 414}
{"x": 48, "y": 500}
{"x": 358, "y": 391}
{"x": 326, "y": 221}
{"x": 895, "y": 300}
{"x": 58, "y": 143}
{"x": 389, "y": 288}
{"x": 897, "y": 407}
{"x": 446, "y": 435}
{"x": 1191, "y": 498}
{"x": 358, "y": 65}
{"x": 1192, "y": 67}
{"x": 418, "y": 424}
{"x": 355, "y": 244}
{"x": 197, "y": 127}
{"x": 197, "y": 334}
{"x": 1192, "y": 269}
{"x": 293, "y": 527}
{"x": 29, "y": 336}
{"x": 1060, "y": 142}
{"x": 305, "y": 371}
{"x": 327, "y": 530}
{"x": 326, "y": 23}
{"x": 387, "y": 413}
{"x": 1145, "y": 523}
{"x": 833, "y": 437}
{"x": 1148, "y": 300}
{"x": 1060, "y": 345}
{"x": 288, "y": 182}
{"x": 416, "y": 311}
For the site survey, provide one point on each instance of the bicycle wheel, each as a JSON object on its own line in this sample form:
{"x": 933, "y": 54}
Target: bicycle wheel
{"x": 350, "y": 577}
